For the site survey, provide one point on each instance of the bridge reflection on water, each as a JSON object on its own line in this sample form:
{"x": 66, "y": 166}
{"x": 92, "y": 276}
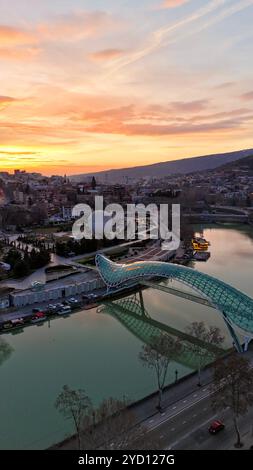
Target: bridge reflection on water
{"x": 235, "y": 307}
{"x": 131, "y": 313}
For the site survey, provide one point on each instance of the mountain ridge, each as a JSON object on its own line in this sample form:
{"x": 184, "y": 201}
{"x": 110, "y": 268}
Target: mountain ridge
{"x": 159, "y": 170}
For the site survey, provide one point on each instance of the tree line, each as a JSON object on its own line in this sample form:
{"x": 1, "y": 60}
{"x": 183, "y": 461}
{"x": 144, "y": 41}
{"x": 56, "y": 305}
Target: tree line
{"x": 22, "y": 265}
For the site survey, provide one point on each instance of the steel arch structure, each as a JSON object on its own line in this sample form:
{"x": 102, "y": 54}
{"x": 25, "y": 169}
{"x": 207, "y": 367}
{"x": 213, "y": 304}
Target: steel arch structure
{"x": 235, "y": 306}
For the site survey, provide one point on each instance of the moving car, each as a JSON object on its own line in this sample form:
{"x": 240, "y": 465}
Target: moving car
{"x": 216, "y": 426}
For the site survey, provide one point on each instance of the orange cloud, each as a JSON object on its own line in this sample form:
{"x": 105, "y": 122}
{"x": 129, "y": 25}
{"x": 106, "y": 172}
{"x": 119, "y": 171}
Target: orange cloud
{"x": 17, "y": 44}
{"x": 106, "y": 54}
{"x": 7, "y": 152}
{"x": 14, "y": 36}
{"x": 5, "y": 101}
{"x": 19, "y": 53}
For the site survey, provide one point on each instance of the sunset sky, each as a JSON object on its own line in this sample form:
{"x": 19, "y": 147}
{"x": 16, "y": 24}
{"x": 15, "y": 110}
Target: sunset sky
{"x": 88, "y": 85}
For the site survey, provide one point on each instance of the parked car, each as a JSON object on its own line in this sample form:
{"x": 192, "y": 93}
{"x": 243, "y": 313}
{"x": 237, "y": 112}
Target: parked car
{"x": 38, "y": 317}
{"x": 74, "y": 303}
{"x": 216, "y": 426}
{"x": 7, "y": 325}
{"x": 51, "y": 307}
{"x": 17, "y": 322}
{"x": 59, "y": 306}
{"x": 65, "y": 310}
{"x": 36, "y": 310}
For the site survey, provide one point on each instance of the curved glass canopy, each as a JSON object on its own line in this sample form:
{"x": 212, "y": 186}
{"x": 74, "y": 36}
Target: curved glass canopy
{"x": 235, "y": 306}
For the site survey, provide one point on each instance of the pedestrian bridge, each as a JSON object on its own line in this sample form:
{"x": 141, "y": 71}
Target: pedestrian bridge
{"x": 235, "y": 306}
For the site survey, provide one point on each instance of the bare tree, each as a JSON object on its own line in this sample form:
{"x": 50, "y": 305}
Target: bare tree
{"x": 233, "y": 387}
{"x": 74, "y": 404}
{"x": 157, "y": 355}
{"x": 114, "y": 426}
{"x": 211, "y": 335}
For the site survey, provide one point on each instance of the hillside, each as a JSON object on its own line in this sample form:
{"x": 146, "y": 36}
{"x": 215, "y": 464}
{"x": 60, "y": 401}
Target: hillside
{"x": 242, "y": 163}
{"x": 159, "y": 170}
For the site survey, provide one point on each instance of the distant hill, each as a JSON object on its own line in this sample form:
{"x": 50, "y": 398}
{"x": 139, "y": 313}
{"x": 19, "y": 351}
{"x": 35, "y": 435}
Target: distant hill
{"x": 246, "y": 162}
{"x": 159, "y": 170}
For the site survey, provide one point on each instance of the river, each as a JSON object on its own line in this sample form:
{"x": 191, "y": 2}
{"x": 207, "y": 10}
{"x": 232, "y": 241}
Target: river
{"x": 96, "y": 352}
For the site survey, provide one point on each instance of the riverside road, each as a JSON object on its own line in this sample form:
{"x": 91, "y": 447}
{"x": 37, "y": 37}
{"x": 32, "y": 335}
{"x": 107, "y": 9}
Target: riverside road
{"x": 187, "y": 413}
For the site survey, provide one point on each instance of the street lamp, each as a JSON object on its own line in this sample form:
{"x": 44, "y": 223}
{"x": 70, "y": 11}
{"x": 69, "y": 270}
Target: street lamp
{"x": 176, "y": 376}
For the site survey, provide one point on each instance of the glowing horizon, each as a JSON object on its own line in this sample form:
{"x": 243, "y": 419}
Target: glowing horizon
{"x": 87, "y": 88}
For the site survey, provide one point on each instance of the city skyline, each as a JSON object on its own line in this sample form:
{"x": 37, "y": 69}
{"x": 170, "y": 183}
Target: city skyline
{"x": 92, "y": 87}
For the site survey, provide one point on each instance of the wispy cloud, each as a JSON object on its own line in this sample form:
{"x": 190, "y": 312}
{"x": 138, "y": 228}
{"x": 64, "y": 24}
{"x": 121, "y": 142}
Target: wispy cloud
{"x": 223, "y": 14}
{"x": 189, "y": 106}
{"x": 6, "y": 152}
{"x": 152, "y": 130}
{"x": 161, "y": 36}
{"x": 225, "y": 85}
{"x": 77, "y": 26}
{"x": 17, "y": 53}
{"x": 247, "y": 96}
{"x": 20, "y": 44}
{"x": 170, "y": 34}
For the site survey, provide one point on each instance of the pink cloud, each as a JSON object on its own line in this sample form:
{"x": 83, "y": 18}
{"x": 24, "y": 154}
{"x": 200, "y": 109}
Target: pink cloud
{"x": 106, "y": 55}
{"x": 157, "y": 120}
{"x": 247, "y": 96}
{"x": 163, "y": 129}
{"x": 189, "y": 106}
{"x": 173, "y": 3}
{"x": 77, "y": 26}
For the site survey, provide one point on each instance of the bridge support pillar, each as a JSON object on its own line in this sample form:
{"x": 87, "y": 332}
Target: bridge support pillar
{"x": 142, "y": 302}
{"x": 232, "y": 332}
